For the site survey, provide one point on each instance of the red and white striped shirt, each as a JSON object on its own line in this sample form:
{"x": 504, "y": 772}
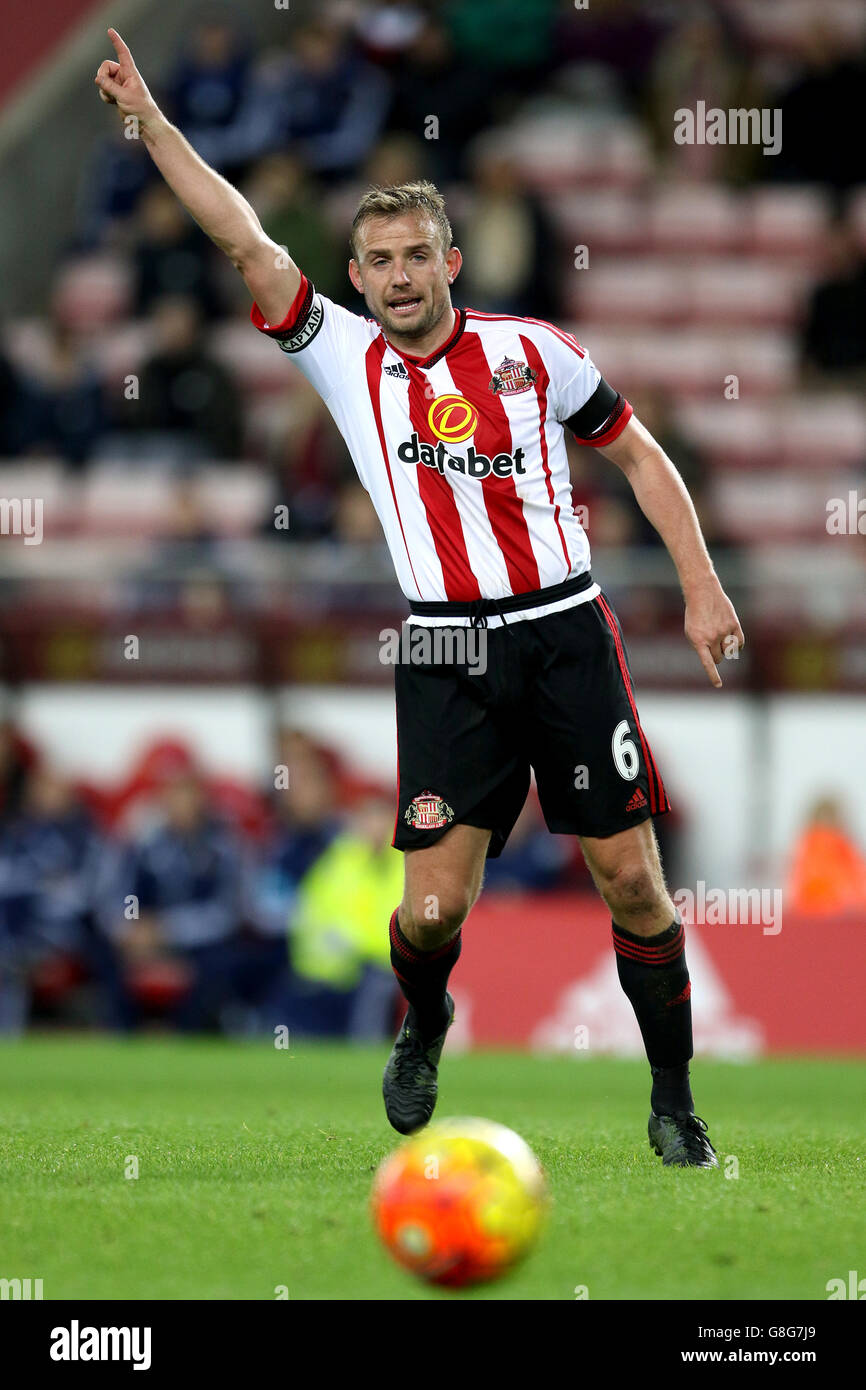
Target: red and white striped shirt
{"x": 462, "y": 452}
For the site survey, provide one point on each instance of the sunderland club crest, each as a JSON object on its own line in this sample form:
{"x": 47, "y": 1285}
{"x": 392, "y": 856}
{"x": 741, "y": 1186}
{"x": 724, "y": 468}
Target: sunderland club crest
{"x": 428, "y": 812}
{"x": 510, "y": 378}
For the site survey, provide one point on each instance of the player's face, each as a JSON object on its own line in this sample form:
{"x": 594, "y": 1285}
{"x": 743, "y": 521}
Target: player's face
{"x": 404, "y": 274}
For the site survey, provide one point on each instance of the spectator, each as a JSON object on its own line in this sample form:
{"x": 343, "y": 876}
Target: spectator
{"x": 387, "y": 29}
{"x": 312, "y": 464}
{"x": 619, "y": 36}
{"x": 185, "y": 876}
{"x": 209, "y": 80}
{"x": 828, "y": 868}
{"x": 16, "y": 410}
{"x": 398, "y": 158}
{"x": 509, "y": 39}
{"x": 834, "y": 333}
{"x": 322, "y": 100}
{"x": 511, "y": 262}
{"x": 823, "y": 101}
{"x": 305, "y": 824}
{"x": 342, "y": 983}
{"x": 187, "y": 398}
{"x": 171, "y": 256}
{"x": 115, "y": 176}
{"x": 17, "y": 758}
{"x": 700, "y": 61}
{"x": 289, "y": 207}
{"x": 50, "y": 862}
{"x": 434, "y": 78}
{"x": 533, "y": 860}
{"x": 68, "y": 413}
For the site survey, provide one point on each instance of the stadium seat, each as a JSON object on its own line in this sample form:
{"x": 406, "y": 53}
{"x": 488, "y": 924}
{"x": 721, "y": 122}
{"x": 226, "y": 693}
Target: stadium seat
{"x": 559, "y": 150}
{"x": 812, "y": 434}
{"x": 127, "y": 500}
{"x": 93, "y": 292}
{"x": 754, "y": 508}
{"x": 680, "y": 217}
{"x": 787, "y": 221}
{"x": 691, "y": 362}
{"x": 626, "y": 291}
{"x": 235, "y": 500}
{"x": 709, "y": 291}
{"x": 602, "y": 219}
{"x": 747, "y": 292}
{"x": 255, "y": 360}
{"x": 41, "y": 479}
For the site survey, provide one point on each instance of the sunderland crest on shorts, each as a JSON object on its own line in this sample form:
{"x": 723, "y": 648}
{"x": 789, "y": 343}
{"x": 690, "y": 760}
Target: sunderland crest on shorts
{"x": 428, "y": 812}
{"x": 510, "y": 378}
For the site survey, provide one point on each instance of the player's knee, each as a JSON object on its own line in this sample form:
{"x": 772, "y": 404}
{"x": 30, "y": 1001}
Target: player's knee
{"x": 433, "y": 918}
{"x": 633, "y": 890}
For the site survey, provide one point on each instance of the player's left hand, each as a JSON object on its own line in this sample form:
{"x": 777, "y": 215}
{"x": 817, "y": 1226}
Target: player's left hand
{"x": 712, "y": 626}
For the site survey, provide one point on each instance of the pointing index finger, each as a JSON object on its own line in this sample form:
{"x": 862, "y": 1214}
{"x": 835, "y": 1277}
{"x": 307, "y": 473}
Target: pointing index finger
{"x": 709, "y": 665}
{"x": 120, "y": 47}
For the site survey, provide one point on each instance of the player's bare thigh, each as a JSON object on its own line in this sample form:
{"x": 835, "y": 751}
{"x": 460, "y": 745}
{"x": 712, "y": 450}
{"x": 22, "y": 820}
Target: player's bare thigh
{"x": 628, "y": 873}
{"x": 441, "y": 884}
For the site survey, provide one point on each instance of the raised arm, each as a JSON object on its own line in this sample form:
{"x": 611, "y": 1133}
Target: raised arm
{"x": 711, "y": 624}
{"x": 271, "y": 276}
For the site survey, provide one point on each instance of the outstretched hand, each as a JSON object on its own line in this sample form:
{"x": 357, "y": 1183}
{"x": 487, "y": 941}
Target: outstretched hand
{"x": 121, "y": 84}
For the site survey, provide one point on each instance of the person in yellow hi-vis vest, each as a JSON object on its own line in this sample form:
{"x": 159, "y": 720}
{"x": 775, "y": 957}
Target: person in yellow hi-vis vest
{"x": 342, "y": 982}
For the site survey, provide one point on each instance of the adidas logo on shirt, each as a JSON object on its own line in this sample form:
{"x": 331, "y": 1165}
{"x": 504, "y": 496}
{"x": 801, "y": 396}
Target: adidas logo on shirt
{"x": 397, "y": 370}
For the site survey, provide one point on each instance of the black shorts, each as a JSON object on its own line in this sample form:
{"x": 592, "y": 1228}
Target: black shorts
{"x": 556, "y": 697}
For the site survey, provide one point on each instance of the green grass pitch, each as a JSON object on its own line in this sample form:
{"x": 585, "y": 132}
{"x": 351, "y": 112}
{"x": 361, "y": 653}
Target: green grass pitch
{"x": 255, "y": 1167}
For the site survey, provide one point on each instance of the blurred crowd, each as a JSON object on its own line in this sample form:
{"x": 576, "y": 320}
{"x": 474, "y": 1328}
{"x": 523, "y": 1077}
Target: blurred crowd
{"x": 175, "y": 898}
{"x": 348, "y": 100}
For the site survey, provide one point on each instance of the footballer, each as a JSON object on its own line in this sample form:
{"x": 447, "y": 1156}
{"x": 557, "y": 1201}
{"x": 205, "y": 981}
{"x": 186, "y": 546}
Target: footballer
{"x": 456, "y": 421}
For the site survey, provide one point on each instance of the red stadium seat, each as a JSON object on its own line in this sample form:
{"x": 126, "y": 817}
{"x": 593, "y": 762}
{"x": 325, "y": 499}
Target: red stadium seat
{"x": 681, "y": 217}
{"x": 93, "y": 292}
{"x": 603, "y": 219}
{"x": 754, "y": 507}
{"x": 691, "y": 362}
{"x": 559, "y": 150}
{"x": 255, "y": 360}
{"x": 787, "y": 221}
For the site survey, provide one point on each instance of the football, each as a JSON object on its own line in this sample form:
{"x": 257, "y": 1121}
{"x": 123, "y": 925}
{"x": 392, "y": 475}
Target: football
{"x": 461, "y": 1202}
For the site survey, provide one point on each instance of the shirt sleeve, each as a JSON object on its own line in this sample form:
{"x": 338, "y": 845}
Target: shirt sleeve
{"x": 322, "y": 338}
{"x": 582, "y": 400}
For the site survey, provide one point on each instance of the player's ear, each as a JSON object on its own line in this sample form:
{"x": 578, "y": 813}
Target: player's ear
{"x": 355, "y": 276}
{"x": 453, "y": 260}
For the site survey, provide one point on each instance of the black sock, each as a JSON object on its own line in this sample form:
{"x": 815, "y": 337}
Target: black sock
{"x": 654, "y": 975}
{"x": 422, "y": 976}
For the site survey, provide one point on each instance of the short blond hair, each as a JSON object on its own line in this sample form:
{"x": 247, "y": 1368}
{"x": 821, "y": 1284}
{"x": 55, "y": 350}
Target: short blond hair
{"x": 400, "y": 198}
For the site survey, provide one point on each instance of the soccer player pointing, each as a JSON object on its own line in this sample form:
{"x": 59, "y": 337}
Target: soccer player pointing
{"x": 455, "y": 422}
